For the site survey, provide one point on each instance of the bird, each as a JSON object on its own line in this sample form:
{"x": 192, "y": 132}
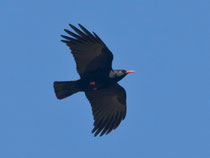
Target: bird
{"x": 97, "y": 80}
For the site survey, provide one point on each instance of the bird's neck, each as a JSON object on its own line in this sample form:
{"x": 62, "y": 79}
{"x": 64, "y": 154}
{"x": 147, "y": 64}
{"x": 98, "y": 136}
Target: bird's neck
{"x": 114, "y": 77}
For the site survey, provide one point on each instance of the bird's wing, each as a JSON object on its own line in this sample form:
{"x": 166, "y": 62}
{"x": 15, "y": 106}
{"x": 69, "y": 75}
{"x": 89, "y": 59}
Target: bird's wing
{"x": 89, "y": 51}
{"x": 109, "y": 108}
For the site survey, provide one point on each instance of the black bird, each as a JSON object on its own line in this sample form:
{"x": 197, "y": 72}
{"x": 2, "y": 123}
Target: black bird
{"x": 97, "y": 79}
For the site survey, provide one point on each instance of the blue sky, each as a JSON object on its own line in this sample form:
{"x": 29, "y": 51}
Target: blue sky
{"x": 168, "y": 99}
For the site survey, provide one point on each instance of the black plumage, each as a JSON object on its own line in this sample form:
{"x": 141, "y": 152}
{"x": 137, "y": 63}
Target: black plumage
{"x": 97, "y": 79}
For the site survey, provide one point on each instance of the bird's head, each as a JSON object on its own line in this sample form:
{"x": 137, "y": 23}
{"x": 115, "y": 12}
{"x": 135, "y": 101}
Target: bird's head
{"x": 119, "y": 74}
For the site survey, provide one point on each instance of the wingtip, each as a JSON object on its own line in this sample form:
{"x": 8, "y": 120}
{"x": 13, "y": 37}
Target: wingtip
{"x": 80, "y": 25}
{"x": 72, "y": 26}
{"x": 64, "y": 41}
{"x": 94, "y": 33}
{"x": 95, "y": 131}
{"x": 66, "y": 30}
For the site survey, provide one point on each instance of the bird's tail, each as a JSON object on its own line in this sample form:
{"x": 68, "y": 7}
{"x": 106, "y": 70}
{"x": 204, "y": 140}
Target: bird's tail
{"x": 65, "y": 89}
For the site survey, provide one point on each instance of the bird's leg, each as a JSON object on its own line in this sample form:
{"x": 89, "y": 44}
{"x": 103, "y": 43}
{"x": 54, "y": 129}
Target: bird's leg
{"x": 92, "y": 83}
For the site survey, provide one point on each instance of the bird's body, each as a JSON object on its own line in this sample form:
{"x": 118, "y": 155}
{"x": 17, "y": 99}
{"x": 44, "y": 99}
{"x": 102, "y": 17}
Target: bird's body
{"x": 97, "y": 79}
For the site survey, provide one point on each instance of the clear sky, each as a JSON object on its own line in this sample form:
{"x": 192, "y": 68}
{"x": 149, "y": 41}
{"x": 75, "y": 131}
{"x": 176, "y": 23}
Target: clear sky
{"x": 168, "y": 99}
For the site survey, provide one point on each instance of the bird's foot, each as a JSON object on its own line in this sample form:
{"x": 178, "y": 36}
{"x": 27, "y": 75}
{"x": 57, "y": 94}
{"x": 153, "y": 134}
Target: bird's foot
{"x": 92, "y": 83}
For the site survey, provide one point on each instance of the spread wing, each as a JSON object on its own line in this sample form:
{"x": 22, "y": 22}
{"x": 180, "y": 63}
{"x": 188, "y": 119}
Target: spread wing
{"x": 89, "y": 51}
{"x": 109, "y": 108}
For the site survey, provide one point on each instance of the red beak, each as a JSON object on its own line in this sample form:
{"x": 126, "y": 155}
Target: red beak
{"x": 130, "y": 71}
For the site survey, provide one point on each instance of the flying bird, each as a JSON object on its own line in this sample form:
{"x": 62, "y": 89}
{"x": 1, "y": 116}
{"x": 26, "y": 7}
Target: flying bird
{"x": 97, "y": 79}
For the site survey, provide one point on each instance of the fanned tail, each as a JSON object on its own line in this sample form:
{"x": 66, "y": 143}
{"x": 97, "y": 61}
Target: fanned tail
{"x": 65, "y": 89}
